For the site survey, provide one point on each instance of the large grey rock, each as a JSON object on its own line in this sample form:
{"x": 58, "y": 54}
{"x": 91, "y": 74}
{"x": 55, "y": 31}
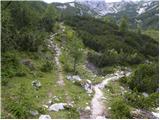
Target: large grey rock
{"x": 142, "y": 114}
{"x": 57, "y": 106}
{"x": 74, "y": 78}
{"x": 45, "y": 117}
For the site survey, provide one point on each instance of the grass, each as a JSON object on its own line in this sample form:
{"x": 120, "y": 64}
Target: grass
{"x": 49, "y": 89}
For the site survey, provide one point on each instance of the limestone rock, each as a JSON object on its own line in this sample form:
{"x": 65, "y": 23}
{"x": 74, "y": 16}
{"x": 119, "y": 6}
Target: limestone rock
{"x": 57, "y": 106}
{"x": 45, "y": 117}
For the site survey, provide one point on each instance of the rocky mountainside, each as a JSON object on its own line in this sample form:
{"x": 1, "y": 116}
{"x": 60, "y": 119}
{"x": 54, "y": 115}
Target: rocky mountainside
{"x": 142, "y": 12}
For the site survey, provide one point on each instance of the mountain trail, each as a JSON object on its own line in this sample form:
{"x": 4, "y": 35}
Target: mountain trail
{"x": 98, "y": 110}
{"x": 57, "y": 50}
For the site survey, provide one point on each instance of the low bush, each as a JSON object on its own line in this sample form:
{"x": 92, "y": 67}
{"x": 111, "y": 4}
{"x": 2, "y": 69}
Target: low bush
{"x": 145, "y": 78}
{"x": 137, "y": 100}
{"x": 119, "y": 109}
{"x": 107, "y": 70}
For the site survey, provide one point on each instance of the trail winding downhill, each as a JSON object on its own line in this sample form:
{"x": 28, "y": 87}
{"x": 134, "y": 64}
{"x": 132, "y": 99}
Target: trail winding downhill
{"x": 57, "y": 50}
{"x": 97, "y": 105}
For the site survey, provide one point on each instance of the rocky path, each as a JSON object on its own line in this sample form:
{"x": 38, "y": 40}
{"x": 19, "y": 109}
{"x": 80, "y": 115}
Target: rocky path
{"x": 57, "y": 50}
{"x": 97, "y": 105}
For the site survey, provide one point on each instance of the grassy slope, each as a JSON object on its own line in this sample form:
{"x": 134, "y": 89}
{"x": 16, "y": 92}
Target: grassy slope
{"x": 49, "y": 89}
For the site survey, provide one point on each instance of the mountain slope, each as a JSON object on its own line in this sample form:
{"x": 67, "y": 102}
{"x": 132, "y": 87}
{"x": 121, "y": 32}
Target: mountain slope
{"x": 108, "y": 41}
{"x": 145, "y": 13}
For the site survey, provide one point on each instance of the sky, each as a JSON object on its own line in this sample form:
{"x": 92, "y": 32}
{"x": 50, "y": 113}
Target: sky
{"x": 62, "y": 1}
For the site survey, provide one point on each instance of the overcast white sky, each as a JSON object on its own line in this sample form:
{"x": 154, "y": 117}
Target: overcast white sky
{"x": 50, "y": 1}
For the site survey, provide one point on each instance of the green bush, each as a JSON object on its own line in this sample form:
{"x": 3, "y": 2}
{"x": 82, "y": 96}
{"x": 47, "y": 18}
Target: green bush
{"x": 107, "y": 70}
{"x": 119, "y": 109}
{"x": 145, "y": 78}
{"x": 137, "y": 100}
{"x": 124, "y": 80}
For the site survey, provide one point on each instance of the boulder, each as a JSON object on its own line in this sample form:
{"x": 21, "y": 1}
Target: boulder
{"x": 45, "y": 117}
{"x": 76, "y": 77}
{"x": 57, "y": 106}
{"x": 142, "y": 114}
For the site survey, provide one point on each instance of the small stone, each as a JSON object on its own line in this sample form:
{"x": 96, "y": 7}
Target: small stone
{"x": 36, "y": 84}
{"x": 45, "y": 106}
{"x": 76, "y": 77}
{"x": 34, "y": 113}
{"x": 104, "y": 98}
{"x": 88, "y": 81}
{"x": 87, "y": 108}
{"x": 145, "y": 94}
{"x": 49, "y": 102}
{"x": 56, "y": 99}
{"x": 100, "y": 117}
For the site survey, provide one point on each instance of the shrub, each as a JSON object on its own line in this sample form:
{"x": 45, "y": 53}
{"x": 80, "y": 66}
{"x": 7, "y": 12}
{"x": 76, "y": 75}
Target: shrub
{"x": 119, "y": 109}
{"x": 107, "y": 70}
{"x": 137, "y": 100}
{"x": 145, "y": 78}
